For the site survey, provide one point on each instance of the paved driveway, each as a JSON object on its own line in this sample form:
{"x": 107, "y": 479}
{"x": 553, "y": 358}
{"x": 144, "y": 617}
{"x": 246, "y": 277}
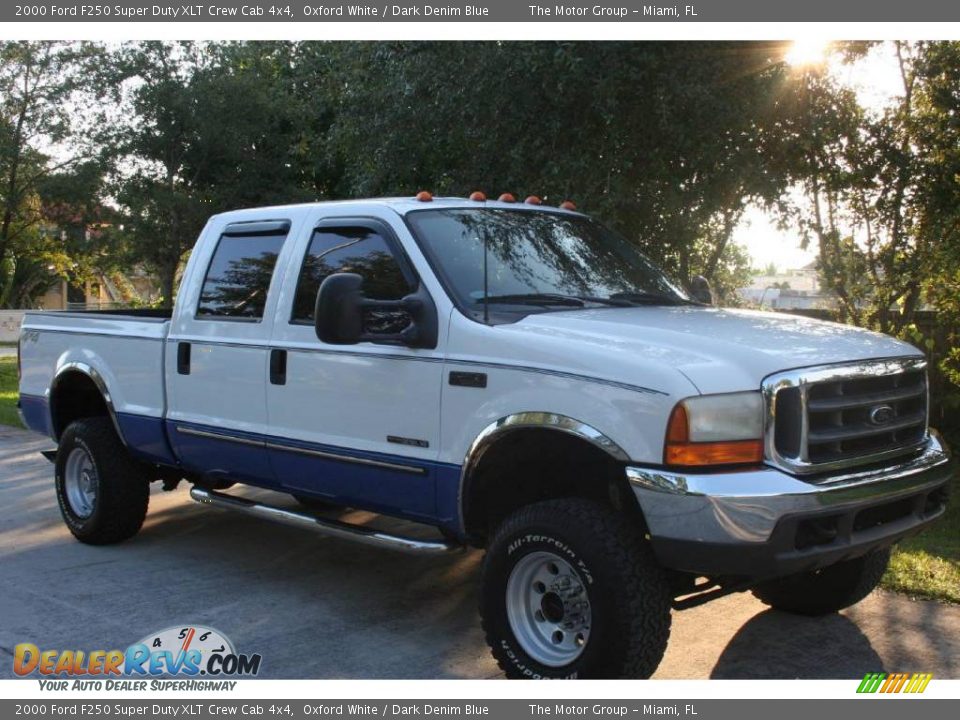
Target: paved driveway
{"x": 319, "y": 608}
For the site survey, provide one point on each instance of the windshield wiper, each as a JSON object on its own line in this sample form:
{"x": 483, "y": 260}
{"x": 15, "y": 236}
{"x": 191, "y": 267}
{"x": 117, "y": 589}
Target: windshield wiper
{"x": 557, "y": 299}
{"x": 534, "y": 299}
{"x": 649, "y": 298}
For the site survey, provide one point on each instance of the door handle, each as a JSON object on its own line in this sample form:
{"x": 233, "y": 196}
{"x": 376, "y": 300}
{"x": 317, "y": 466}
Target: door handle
{"x": 183, "y": 358}
{"x": 278, "y": 367}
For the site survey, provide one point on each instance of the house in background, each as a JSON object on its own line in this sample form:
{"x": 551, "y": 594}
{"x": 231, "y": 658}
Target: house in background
{"x": 103, "y": 293}
{"x": 796, "y": 289}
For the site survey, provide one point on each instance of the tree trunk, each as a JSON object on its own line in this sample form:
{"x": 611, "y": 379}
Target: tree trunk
{"x": 168, "y": 279}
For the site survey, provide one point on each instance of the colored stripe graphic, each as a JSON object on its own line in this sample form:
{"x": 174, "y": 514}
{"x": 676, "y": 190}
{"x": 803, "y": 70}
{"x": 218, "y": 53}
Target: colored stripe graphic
{"x": 894, "y": 683}
{"x": 871, "y": 682}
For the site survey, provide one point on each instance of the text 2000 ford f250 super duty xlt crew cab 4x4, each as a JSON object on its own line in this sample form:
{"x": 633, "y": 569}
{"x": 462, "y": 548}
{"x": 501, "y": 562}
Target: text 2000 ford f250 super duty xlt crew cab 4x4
{"x": 521, "y": 379}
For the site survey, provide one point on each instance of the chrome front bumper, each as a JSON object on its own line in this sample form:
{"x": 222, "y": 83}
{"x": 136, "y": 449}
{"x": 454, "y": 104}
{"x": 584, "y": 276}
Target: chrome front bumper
{"x": 764, "y": 522}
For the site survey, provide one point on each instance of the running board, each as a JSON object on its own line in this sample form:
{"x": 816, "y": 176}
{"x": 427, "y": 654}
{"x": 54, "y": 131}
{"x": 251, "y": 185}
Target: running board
{"x": 333, "y": 528}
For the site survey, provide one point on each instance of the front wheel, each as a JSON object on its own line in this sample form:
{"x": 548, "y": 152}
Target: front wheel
{"x": 827, "y": 590}
{"x": 571, "y": 589}
{"x": 102, "y": 492}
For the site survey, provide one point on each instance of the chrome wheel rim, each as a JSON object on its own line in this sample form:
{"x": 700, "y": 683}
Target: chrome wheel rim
{"x": 548, "y": 609}
{"x": 80, "y": 482}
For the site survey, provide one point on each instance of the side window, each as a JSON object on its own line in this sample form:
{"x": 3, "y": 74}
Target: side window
{"x": 239, "y": 275}
{"x": 359, "y": 250}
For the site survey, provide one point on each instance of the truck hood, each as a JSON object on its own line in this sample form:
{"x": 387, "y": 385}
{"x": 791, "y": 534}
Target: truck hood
{"x": 717, "y": 350}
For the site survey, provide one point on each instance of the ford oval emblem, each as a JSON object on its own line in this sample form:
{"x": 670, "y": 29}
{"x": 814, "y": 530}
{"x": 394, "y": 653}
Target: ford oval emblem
{"x": 881, "y": 414}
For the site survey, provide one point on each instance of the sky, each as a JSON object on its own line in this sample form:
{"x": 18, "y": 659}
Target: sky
{"x": 876, "y": 79}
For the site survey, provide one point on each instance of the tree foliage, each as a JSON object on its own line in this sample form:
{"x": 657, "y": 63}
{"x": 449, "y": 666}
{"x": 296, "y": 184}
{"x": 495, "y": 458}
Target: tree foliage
{"x": 664, "y": 141}
{"x": 38, "y": 81}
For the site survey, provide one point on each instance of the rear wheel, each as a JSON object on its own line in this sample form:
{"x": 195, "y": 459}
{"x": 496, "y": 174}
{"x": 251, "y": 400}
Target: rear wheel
{"x": 571, "y": 589}
{"x": 102, "y": 492}
{"x": 827, "y": 590}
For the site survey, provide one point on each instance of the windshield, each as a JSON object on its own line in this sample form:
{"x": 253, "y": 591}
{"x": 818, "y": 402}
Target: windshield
{"x": 538, "y": 258}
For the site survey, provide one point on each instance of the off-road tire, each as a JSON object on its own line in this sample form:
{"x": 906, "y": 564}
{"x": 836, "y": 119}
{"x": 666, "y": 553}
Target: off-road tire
{"x": 123, "y": 488}
{"x": 628, "y": 591}
{"x": 828, "y": 590}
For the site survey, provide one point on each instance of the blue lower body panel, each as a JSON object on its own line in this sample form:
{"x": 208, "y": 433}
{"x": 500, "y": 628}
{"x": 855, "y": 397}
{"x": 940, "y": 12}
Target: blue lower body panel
{"x": 35, "y": 413}
{"x": 146, "y": 438}
{"x": 411, "y": 493}
{"x": 222, "y": 454}
{"x": 425, "y": 491}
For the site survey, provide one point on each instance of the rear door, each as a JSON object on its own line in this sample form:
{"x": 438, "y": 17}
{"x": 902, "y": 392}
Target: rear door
{"x": 217, "y": 355}
{"x": 360, "y": 423}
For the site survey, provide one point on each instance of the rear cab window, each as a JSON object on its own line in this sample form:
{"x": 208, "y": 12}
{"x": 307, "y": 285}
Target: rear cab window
{"x": 238, "y": 277}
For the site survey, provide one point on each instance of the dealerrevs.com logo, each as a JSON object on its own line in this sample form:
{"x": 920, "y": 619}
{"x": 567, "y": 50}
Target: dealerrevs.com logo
{"x": 183, "y": 651}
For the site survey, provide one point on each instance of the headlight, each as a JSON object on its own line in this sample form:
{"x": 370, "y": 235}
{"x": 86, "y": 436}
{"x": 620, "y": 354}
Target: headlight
{"x": 716, "y": 430}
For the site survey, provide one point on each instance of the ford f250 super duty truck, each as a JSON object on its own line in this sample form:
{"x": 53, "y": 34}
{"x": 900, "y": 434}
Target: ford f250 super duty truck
{"x": 519, "y": 378}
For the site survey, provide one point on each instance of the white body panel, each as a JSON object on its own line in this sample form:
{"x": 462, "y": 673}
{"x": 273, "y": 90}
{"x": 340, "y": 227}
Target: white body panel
{"x": 355, "y": 396}
{"x": 127, "y": 353}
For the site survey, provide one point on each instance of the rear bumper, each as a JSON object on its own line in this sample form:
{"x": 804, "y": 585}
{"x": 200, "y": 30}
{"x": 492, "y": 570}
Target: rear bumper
{"x": 764, "y": 523}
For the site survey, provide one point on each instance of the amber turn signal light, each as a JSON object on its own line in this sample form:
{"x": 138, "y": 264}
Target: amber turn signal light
{"x": 679, "y": 451}
{"x": 735, "y": 452}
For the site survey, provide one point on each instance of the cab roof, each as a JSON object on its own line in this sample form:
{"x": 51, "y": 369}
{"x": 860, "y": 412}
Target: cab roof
{"x": 401, "y": 205}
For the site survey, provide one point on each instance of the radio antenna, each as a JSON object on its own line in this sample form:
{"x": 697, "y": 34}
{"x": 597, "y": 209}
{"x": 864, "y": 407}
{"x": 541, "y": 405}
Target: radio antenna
{"x": 486, "y": 289}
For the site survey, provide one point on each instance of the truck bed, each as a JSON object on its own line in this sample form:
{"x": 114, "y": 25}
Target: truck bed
{"x": 123, "y": 347}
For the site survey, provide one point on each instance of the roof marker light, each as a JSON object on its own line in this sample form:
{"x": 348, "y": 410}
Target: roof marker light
{"x": 424, "y": 196}
{"x": 478, "y": 196}
{"x": 533, "y": 200}
{"x": 568, "y": 205}
{"x": 507, "y": 197}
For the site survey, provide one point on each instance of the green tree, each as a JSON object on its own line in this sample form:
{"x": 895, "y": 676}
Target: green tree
{"x": 875, "y": 185}
{"x": 204, "y": 128}
{"x": 38, "y": 80}
{"x": 666, "y": 141}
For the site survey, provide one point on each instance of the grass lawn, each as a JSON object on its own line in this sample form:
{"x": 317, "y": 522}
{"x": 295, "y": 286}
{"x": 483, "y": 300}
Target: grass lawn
{"x": 927, "y": 565}
{"x": 8, "y": 392}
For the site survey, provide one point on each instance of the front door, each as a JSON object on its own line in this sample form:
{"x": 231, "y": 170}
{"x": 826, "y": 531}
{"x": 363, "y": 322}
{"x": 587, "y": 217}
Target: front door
{"x": 360, "y": 423}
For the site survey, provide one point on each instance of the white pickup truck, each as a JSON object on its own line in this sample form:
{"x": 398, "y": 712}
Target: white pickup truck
{"x": 519, "y": 378}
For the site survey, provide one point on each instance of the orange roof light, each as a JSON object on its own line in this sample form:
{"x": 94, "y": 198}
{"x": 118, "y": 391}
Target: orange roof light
{"x": 478, "y": 196}
{"x": 568, "y": 205}
{"x": 507, "y": 197}
{"x": 424, "y": 196}
{"x": 533, "y": 200}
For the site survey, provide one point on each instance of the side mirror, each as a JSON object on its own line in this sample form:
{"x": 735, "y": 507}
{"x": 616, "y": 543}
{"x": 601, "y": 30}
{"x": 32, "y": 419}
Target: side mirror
{"x": 700, "y": 290}
{"x": 341, "y": 309}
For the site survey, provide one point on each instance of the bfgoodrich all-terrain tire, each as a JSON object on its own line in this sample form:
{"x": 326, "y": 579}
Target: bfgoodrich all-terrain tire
{"x": 103, "y": 493}
{"x": 827, "y": 590}
{"x": 571, "y": 589}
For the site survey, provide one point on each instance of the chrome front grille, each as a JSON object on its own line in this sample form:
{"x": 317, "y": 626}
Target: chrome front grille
{"x": 839, "y": 416}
